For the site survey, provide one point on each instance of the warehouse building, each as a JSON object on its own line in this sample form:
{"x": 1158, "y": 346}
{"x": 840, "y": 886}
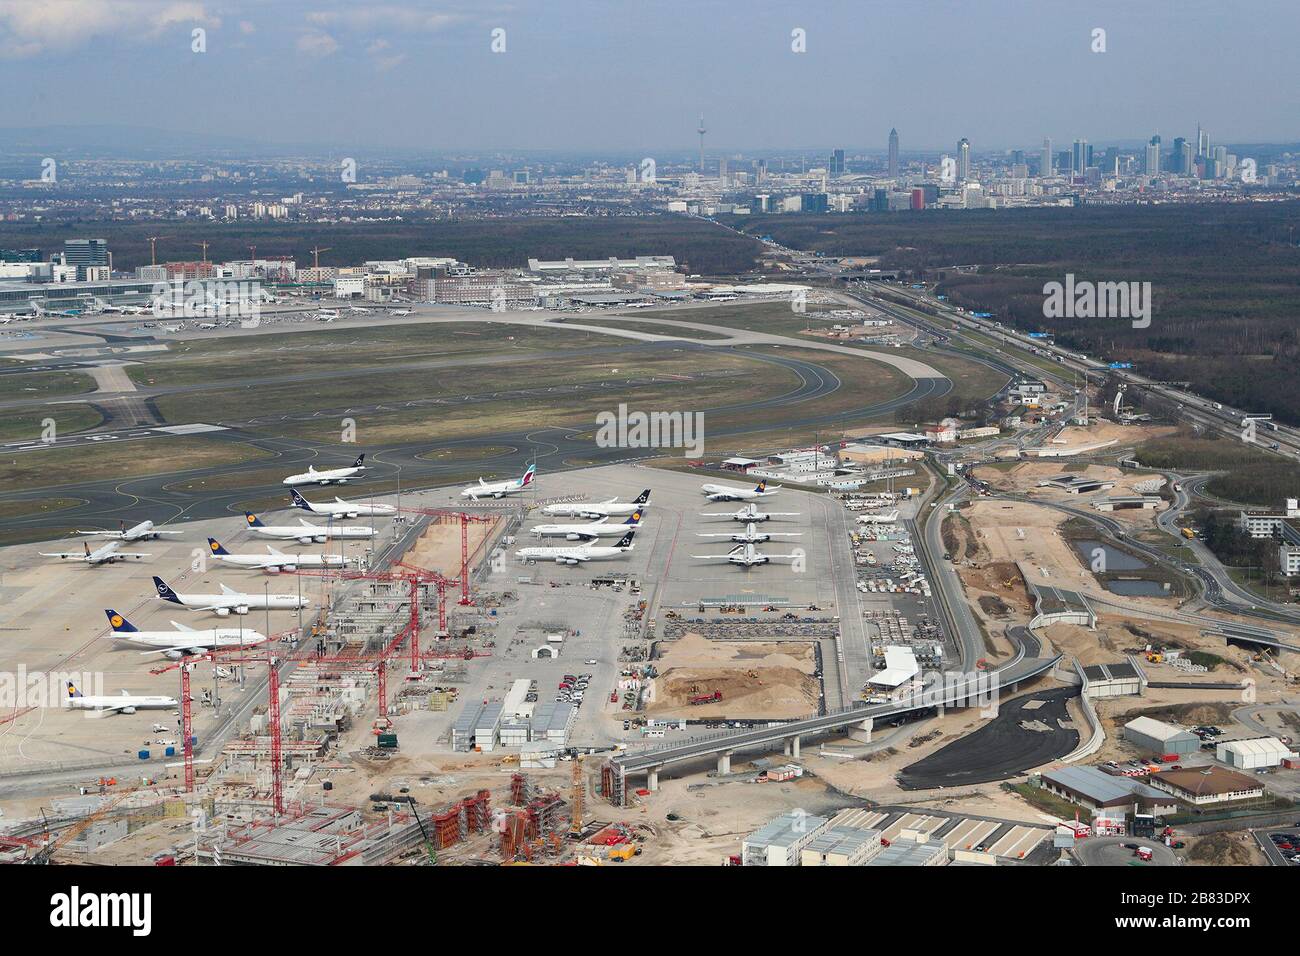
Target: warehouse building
{"x": 1096, "y": 791}
{"x": 781, "y": 842}
{"x": 1253, "y": 753}
{"x": 1203, "y": 786}
{"x": 1158, "y": 737}
{"x": 911, "y": 848}
{"x": 842, "y": 846}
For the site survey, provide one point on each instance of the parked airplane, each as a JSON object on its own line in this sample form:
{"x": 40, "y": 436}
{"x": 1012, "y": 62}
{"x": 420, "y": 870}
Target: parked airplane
{"x": 105, "y": 554}
{"x": 326, "y": 313}
{"x": 402, "y": 312}
{"x": 579, "y": 553}
{"x": 750, "y": 513}
{"x": 747, "y": 556}
{"x": 588, "y": 532}
{"x": 609, "y": 508}
{"x": 499, "y": 489}
{"x": 882, "y": 517}
{"x": 304, "y": 532}
{"x": 338, "y": 476}
{"x": 339, "y": 508}
{"x": 184, "y": 640}
{"x": 144, "y": 531}
{"x": 358, "y": 310}
{"x": 751, "y": 535}
{"x": 230, "y": 601}
{"x": 733, "y": 493}
{"x": 275, "y": 561}
{"x": 122, "y": 704}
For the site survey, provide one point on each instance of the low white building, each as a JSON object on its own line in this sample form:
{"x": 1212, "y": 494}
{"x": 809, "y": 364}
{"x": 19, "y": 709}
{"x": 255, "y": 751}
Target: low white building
{"x": 781, "y": 841}
{"x": 1253, "y": 753}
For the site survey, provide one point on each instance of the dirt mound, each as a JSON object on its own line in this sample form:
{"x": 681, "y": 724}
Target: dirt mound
{"x": 1220, "y": 849}
{"x": 756, "y": 679}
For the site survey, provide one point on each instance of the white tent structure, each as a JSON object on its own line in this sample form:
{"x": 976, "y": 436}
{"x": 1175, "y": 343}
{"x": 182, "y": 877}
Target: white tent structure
{"x": 1253, "y": 753}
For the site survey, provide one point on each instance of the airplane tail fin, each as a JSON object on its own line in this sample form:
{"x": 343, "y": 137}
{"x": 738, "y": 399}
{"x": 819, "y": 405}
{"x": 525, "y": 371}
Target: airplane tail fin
{"x": 626, "y": 540}
{"x": 253, "y": 520}
{"x": 118, "y": 622}
{"x": 529, "y": 474}
{"x": 298, "y": 500}
{"x": 164, "y": 591}
{"x": 634, "y": 518}
{"x": 761, "y": 486}
{"x": 215, "y": 546}
{"x": 360, "y": 462}
{"x": 643, "y": 498}
{"x": 73, "y": 693}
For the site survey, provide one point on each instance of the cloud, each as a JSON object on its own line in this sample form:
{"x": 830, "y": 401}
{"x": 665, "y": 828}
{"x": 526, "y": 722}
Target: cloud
{"x": 33, "y": 28}
{"x": 246, "y": 27}
{"x": 317, "y": 44}
{"x": 383, "y": 16}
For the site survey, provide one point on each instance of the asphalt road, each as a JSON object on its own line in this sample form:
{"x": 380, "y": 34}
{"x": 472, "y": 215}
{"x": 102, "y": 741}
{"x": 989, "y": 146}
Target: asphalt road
{"x": 1000, "y": 749}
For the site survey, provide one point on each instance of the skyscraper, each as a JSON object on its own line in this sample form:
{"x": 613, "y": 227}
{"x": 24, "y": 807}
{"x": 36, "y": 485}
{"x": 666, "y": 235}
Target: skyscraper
{"x": 85, "y": 252}
{"x": 893, "y": 154}
{"x": 837, "y": 162}
{"x": 1152, "y": 167}
{"x": 963, "y": 159}
{"x": 1045, "y": 163}
{"x": 1079, "y": 157}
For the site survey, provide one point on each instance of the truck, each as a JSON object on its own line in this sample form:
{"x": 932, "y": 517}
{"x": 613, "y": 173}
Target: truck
{"x": 707, "y": 698}
{"x": 1188, "y": 533}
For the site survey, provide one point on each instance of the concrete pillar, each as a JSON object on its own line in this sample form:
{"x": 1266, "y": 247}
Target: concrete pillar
{"x": 724, "y": 763}
{"x": 862, "y": 733}
{"x": 785, "y": 746}
{"x": 652, "y": 779}
{"x": 794, "y": 747}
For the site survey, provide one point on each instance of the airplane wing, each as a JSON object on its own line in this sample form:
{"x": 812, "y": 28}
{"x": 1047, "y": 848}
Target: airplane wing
{"x": 227, "y": 590}
{"x": 719, "y": 534}
{"x": 191, "y": 648}
{"x": 62, "y": 554}
{"x": 131, "y": 554}
{"x": 93, "y": 533}
{"x": 180, "y": 627}
{"x": 156, "y": 531}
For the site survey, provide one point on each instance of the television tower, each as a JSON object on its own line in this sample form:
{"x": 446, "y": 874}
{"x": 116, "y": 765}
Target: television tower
{"x": 701, "y": 131}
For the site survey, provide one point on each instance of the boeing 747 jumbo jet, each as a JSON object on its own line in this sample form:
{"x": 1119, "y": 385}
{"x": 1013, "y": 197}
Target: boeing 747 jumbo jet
{"x": 733, "y": 493}
{"x": 751, "y": 535}
{"x": 611, "y": 508}
{"x": 333, "y": 476}
{"x": 579, "y": 553}
{"x": 747, "y": 556}
{"x": 499, "y": 489}
{"x": 123, "y": 704}
{"x": 304, "y": 532}
{"x": 184, "y": 640}
{"x": 104, "y": 554}
{"x": 230, "y": 601}
{"x": 275, "y": 561}
{"x": 588, "y": 532}
{"x": 144, "y": 531}
{"x": 338, "y": 508}
{"x": 749, "y": 513}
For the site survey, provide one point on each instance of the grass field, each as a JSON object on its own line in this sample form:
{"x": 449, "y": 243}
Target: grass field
{"x": 645, "y": 326}
{"x": 39, "y": 385}
{"x": 119, "y": 461}
{"x": 28, "y": 423}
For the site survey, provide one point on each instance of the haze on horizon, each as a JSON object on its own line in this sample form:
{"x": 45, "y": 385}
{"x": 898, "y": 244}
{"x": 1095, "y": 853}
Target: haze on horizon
{"x": 583, "y": 75}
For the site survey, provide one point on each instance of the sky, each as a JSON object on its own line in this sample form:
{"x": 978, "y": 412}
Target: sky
{"x": 635, "y": 75}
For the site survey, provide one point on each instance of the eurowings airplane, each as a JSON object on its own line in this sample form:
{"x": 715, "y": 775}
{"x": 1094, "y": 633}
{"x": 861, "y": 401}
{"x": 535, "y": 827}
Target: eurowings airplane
{"x": 578, "y": 554}
{"x": 751, "y": 535}
{"x": 124, "y": 704}
{"x": 733, "y": 493}
{"x": 230, "y": 601}
{"x": 331, "y": 476}
{"x": 499, "y": 489}
{"x": 747, "y": 556}
{"x": 750, "y": 513}
{"x": 275, "y": 561}
{"x": 304, "y": 532}
{"x": 104, "y": 554}
{"x": 588, "y": 532}
{"x": 182, "y": 641}
{"x": 144, "y": 531}
{"x": 610, "y": 508}
{"x": 338, "y": 508}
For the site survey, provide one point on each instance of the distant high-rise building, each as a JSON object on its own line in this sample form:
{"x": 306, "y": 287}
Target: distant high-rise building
{"x": 893, "y": 154}
{"x": 963, "y": 159}
{"x": 722, "y": 169}
{"x": 837, "y": 162}
{"x": 1045, "y": 161}
{"x": 1183, "y": 160}
{"x": 760, "y": 170}
{"x": 1152, "y": 167}
{"x": 82, "y": 253}
{"x": 701, "y": 131}
{"x": 1202, "y": 141}
{"x": 1079, "y": 157}
{"x": 1017, "y": 157}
